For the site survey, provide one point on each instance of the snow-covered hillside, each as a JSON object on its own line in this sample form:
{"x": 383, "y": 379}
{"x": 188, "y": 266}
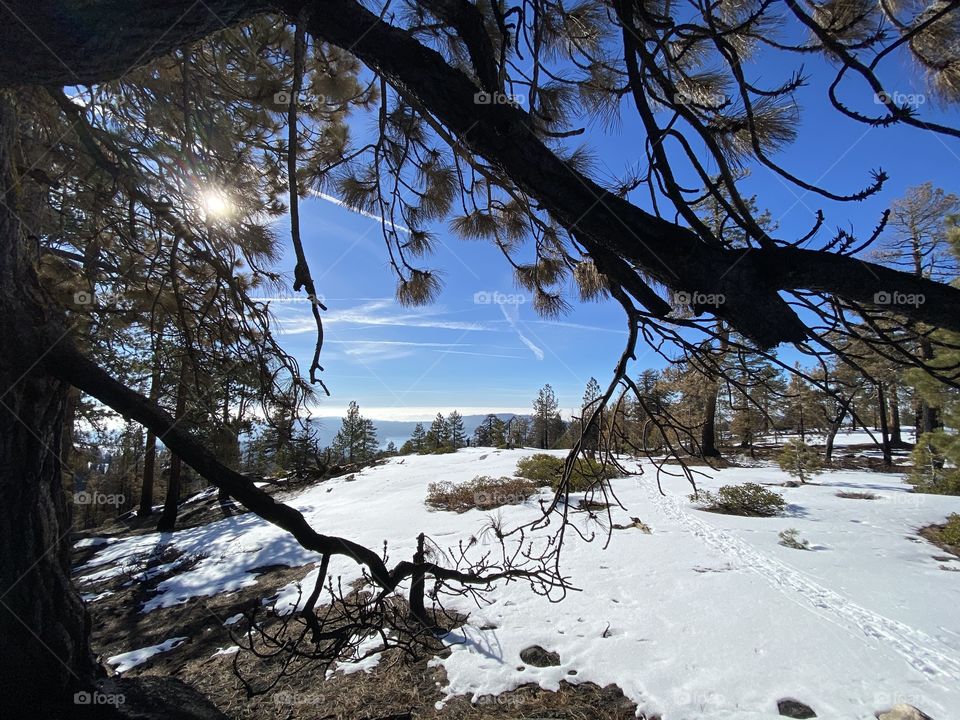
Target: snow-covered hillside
{"x": 706, "y": 617}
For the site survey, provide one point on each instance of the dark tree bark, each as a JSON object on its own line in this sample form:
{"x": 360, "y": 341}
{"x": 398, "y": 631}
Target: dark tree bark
{"x": 150, "y": 451}
{"x": 708, "y": 433}
{"x": 171, "y": 503}
{"x": 835, "y": 426}
{"x": 45, "y": 651}
{"x": 884, "y": 429}
{"x": 893, "y": 401}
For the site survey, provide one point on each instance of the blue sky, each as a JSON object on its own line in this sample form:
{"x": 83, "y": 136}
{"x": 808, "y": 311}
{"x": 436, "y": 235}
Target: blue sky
{"x": 405, "y": 363}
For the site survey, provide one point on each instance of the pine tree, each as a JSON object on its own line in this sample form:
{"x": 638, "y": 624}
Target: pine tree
{"x": 439, "y": 434}
{"x": 458, "y": 436}
{"x": 369, "y": 444}
{"x": 418, "y": 440}
{"x": 590, "y": 429}
{"x": 491, "y": 432}
{"x": 799, "y": 460}
{"x": 547, "y": 425}
{"x": 801, "y": 413}
{"x": 353, "y": 440}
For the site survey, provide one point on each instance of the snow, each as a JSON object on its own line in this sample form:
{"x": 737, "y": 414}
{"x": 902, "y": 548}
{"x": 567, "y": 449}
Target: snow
{"x": 129, "y": 660}
{"x": 707, "y": 617}
{"x": 93, "y": 542}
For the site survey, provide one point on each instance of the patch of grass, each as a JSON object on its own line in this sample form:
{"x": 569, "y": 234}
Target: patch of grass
{"x": 748, "y": 499}
{"x": 548, "y": 470}
{"x": 791, "y": 538}
{"x": 483, "y": 493}
{"x": 857, "y": 495}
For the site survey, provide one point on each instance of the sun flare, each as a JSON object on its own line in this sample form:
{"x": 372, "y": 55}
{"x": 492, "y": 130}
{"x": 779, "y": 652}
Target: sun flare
{"x": 216, "y": 203}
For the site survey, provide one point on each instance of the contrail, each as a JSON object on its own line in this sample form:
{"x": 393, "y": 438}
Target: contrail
{"x": 341, "y": 203}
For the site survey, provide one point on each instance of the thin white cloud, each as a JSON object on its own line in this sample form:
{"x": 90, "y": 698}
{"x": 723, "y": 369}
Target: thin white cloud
{"x": 382, "y": 312}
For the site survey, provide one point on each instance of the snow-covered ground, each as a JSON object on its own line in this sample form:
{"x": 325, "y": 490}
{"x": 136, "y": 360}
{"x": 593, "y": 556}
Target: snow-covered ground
{"x": 707, "y": 617}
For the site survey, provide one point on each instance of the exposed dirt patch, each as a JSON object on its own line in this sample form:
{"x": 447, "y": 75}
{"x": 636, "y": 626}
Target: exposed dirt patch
{"x": 397, "y": 685}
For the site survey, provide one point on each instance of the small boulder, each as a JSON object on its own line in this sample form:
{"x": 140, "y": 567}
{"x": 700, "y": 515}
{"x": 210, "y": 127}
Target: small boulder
{"x": 902, "y": 711}
{"x": 794, "y": 709}
{"x": 791, "y": 483}
{"x": 539, "y": 657}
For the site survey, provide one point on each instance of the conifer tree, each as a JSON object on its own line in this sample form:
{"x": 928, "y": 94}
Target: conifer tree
{"x": 799, "y": 460}
{"x": 439, "y": 434}
{"x": 457, "y": 434}
{"x": 547, "y": 426}
{"x": 418, "y": 440}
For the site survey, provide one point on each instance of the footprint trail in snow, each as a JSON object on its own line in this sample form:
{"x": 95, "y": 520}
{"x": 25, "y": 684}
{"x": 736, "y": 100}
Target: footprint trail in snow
{"x": 923, "y": 652}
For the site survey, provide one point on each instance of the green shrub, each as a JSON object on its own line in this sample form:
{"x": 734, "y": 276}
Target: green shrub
{"x": 483, "y": 493}
{"x": 799, "y": 460}
{"x": 950, "y": 533}
{"x": 748, "y": 499}
{"x": 548, "y": 470}
{"x": 932, "y": 471}
{"x": 791, "y": 538}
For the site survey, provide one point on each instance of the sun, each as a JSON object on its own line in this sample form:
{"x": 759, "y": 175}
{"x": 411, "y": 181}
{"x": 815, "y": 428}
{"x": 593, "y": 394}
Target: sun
{"x": 216, "y": 203}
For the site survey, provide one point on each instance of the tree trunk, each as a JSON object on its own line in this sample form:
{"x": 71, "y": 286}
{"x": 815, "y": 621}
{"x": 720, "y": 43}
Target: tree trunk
{"x": 45, "y": 654}
{"x": 708, "y": 432}
{"x": 896, "y": 438}
{"x": 929, "y": 417}
{"x": 150, "y": 452}
{"x": 835, "y": 426}
{"x": 884, "y": 430}
{"x": 172, "y": 501}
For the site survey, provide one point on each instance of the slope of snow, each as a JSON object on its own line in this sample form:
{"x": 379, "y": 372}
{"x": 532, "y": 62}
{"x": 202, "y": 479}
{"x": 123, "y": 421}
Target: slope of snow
{"x": 707, "y": 617}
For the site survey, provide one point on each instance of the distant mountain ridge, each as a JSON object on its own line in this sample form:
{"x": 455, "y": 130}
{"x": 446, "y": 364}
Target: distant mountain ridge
{"x": 398, "y": 431}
